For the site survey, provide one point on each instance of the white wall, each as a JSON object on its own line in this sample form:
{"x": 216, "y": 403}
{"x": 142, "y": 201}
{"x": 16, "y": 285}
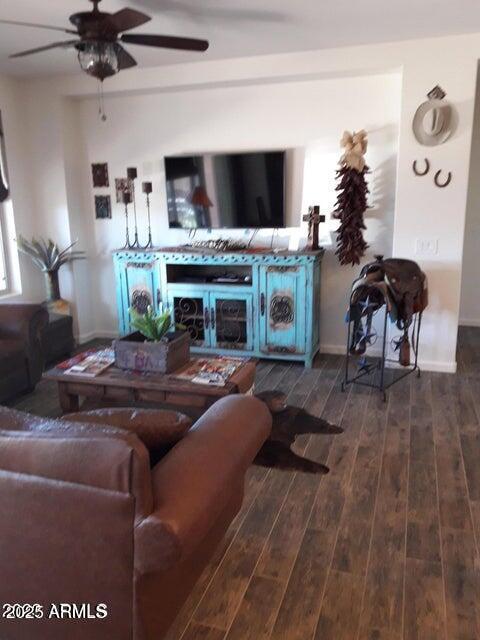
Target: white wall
{"x": 426, "y": 212}
{"x": 25, "y": 282}
{"x": 470, "y": 296}
{"x": 305, "y": 117}
{"x": 421, "y": 210}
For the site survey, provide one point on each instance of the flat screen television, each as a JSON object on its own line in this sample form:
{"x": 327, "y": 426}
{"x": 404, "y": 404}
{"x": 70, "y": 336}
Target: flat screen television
{"x": 226, "y": 191}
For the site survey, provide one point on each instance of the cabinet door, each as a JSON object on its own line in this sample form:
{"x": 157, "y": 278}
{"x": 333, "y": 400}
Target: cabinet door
{"x": 231, "y": 321}
{"x": 141, "y": 287}
{"x": 282, "y": 309}
{"x": 193, "y": 312}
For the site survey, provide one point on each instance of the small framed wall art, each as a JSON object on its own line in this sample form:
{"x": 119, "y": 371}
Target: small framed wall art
{"x": 100, "y": 174}
{"x": 103, "y": 207}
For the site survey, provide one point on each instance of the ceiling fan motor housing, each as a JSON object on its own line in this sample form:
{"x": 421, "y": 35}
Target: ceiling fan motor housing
{"x": 94, "y": 26}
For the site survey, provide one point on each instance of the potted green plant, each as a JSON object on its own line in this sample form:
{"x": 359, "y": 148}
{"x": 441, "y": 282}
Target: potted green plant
{"x": 153, "y": 346}
{"x": 46, "y": 255}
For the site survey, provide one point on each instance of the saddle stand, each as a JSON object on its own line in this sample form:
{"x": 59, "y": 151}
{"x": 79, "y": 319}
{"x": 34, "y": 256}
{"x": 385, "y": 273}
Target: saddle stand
{"x": 371, "y": 295}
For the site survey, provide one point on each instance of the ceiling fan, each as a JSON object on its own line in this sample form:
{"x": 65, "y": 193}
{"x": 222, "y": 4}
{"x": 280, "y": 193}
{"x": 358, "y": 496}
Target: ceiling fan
{"x": 100, "y": 37}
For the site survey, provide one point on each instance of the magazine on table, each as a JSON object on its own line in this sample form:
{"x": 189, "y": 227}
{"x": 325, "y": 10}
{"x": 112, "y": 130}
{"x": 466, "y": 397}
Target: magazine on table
{"x": 93, "y": 363}
{"x": 210, "y": 371}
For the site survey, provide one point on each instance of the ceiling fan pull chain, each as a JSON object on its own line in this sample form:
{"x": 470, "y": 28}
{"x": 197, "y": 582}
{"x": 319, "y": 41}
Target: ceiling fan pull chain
{"x": 101, "y": 102}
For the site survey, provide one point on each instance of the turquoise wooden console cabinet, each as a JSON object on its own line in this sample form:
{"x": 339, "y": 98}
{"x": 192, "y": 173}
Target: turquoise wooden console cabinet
{"x": 258, "y": 303}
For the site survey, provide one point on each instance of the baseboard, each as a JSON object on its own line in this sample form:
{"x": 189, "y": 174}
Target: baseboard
{"x": 332, "y": 349}
{"x": 111, "y": 335}
{"x": 437, "y": 367}
{"x": 96, "y": 335}
{"x": 425, "y": 365}
{"x": 464, "y": 322}
{"x": 85, "y": 337}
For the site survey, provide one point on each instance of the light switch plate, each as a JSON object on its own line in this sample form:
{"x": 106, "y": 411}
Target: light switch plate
{"x": 426, "y": 246}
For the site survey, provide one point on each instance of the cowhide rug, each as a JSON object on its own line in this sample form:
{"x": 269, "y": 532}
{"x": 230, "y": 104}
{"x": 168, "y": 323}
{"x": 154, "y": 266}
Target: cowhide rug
{"x": 288, "y": 423}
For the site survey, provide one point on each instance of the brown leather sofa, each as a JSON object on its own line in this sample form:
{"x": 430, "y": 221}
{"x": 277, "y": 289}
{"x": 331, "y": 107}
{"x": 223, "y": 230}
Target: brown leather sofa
{"x": 84, "y": 520}
{"x": 21, "y": 360}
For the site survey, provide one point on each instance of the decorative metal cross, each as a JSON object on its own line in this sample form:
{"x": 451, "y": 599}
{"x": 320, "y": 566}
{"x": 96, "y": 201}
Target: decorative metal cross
{"x": 314, "y": 219}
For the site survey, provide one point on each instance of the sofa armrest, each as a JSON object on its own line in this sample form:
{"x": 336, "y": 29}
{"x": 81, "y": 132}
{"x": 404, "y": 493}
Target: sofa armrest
{"x": 194, "y": 483}
{"x": 26, "y": 322}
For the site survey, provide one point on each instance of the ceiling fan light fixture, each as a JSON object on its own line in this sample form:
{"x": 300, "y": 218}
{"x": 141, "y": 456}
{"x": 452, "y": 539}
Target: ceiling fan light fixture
{"x": 98, "y": 59}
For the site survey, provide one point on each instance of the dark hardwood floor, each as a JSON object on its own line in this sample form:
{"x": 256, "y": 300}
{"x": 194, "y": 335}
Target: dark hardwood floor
{"x": 385, "y": 547}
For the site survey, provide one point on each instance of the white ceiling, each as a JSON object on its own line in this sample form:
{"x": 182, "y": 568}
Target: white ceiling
{"x": 237, "y": 27}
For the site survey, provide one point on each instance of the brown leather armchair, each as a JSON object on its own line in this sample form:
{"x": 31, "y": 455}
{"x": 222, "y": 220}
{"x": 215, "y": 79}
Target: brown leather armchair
{"x": 85, "y": 521}
{"x": 21, "y": 360}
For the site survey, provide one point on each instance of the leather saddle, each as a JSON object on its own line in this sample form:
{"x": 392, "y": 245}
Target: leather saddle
{"x": 397, "y": 282}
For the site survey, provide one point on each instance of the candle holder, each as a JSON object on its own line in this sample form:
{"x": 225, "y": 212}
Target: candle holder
{"x": 147, "y": 190}
{"x": 127, "y": 199}
{"x": 132, "y": 175}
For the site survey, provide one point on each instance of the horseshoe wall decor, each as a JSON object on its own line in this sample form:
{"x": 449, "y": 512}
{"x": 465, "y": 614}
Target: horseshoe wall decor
{"x": 420, "y": 173}
{"x": 447, "y": 181}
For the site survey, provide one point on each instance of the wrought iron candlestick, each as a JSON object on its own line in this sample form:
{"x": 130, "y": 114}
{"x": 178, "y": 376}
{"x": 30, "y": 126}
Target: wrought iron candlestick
{"x": 132, "y": 175}
{"x": 127, "y": 199}
{"x": 147, "y": 190}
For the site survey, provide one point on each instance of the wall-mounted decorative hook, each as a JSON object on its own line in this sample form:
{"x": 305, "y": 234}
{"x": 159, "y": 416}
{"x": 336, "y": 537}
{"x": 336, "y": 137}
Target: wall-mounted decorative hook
{"x": 446, "y": 182}
{"x": 421, "y": 173}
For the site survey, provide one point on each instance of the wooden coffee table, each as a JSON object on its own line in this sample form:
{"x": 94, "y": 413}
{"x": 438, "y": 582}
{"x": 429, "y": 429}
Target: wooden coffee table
{"x": 116, "y": 386}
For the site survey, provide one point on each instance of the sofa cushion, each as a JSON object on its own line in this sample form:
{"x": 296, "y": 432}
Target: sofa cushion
{"x": 91, "y": 454}
{"x": 12, "y": 355}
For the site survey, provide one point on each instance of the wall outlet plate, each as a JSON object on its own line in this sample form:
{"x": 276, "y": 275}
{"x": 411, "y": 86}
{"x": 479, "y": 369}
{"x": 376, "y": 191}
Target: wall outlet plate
{"x": 426, "y": 246}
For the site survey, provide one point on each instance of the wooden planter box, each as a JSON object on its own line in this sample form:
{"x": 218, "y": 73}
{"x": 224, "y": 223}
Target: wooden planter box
{"x": 134, "y": 352}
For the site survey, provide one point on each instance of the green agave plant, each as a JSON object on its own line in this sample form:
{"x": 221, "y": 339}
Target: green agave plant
{"x": 46, "y": 255}
{"x": 152, "y": 325}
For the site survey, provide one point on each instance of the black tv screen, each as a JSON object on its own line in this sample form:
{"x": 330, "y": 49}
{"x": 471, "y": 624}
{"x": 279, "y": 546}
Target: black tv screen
{"x": 230, "y": 191}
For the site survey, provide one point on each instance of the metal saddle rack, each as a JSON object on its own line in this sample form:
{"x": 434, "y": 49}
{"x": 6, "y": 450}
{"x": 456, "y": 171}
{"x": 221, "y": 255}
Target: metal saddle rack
{"x": 367, "y": 353}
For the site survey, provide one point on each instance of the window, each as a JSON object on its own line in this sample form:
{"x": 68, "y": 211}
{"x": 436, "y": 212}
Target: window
{"x": 4, "y": 195}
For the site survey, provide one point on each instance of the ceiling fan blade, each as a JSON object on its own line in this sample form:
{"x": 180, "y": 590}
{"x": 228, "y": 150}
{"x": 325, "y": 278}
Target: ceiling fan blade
{"x": 128, "y": 19}
{"x": 125, "y": 60}
{"x": 38, "y": 26}
{"x": 166, "y": 42}
{"x": 54, "y": 45}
